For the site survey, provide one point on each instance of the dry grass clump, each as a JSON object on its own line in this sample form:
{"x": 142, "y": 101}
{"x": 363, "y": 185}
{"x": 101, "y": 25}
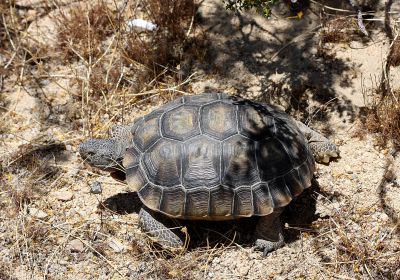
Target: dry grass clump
{"x": 24, "y": 175}
{"x": 172, "y": 265}
{"x": 117, "y": 65}
{"x": 384, "y": 118}
{"x": 164, "y": 46}
{"x": 9, "y": 28}
{"x": 338, "y": 30}
{"x": 26, "y": 178}
{"x": 20, "y": 58}
{"x": 82, "y": 31}
{"x": 351, "y": 243}
{"x": 7, "y": 17}
{"x": 104, "y": 80}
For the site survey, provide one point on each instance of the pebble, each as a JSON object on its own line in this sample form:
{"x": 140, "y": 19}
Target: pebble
{"x": 96, "y": 188}
{"x": 243, "y": 269}
{"x": 37, "y": 213}
{"x": 73, "y": 172}
{"x": 216, "y": 260}
{"x": 76, "y": 246}
{"x": 64, "y": 195}
{"x": 117, "y": 246}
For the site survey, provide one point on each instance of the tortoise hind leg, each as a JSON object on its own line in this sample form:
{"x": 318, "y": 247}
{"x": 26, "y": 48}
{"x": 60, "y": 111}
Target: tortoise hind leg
{"x": 268, "y": 233}
{"x": 157, "y": 227}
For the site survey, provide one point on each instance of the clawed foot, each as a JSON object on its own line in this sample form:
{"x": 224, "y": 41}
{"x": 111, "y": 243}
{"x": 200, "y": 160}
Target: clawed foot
{"x": 326, "y": 157}
{"x": 268, "y": 246}
{"x": 327, "y": 153}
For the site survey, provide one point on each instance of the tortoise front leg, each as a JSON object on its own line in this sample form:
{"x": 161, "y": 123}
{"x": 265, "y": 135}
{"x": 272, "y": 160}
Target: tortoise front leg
{"x": 156, "y": 226}
{"x": 268, "y": 233}
{"x": 322, "y": 148}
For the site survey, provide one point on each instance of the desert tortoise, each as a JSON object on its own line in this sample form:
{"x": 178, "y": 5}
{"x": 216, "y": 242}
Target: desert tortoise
{"x": 213, "y": 157}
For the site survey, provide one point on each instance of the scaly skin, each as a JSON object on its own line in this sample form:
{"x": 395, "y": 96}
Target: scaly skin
{"x": 157, "y": 227}
{"x": 107, "y": 154}
{"x": 268, "y": 233}
{"x": 323, "y": 149}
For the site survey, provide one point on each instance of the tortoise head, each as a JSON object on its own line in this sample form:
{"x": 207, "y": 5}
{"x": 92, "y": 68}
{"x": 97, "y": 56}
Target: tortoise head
{"x": 107, "y": 154}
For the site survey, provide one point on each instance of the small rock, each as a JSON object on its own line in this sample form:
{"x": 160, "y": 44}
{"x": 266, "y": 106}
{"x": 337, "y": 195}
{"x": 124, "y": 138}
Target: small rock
{"x": 216, "y": 260}
{"x": 76, "y": 246}
{"x": 243, "y": 270}
{"x": 73, "y": 171}
{"x": 64, "y": 195}
{"x": 96, "y": 188}
{"x": 141, "y": 24}
{"x": 37, "y": 213}
{"x": 117, "y": 246}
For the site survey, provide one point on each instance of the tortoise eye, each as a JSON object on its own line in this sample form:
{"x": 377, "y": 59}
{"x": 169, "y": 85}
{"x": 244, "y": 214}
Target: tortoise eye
{"x": 91, "y": 154}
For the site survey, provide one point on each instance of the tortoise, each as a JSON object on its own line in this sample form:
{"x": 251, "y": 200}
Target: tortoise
{"x": 216, "y": 157}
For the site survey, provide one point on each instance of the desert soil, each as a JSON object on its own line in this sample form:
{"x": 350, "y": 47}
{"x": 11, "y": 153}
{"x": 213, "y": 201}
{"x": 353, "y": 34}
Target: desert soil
{"x": 344, "y": 227}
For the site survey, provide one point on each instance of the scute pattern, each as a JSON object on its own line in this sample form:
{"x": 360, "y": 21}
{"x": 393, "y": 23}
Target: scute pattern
{"x": 280, "y": 194}
{"x": 293, "y": 179}
{"x": 243, "y": 205}
{"x": 262, "y": 200}
{"x": 181, "y": 123}
{"x": 131, "y": 158}
{"x": 201, "y": 99}
{"x": 151, "y": 195}
{"x": 147, "y": 133}
{"x": 162, "y": 163}
{"x": 197, "y": 202}
{"x": 272, "y": 159}
{"x": 173, "y": 201}
{"x": 219, "y": 120}
{"x": 201, "y": 163}
{"x": 221, "y": 201}
{"x": 255, "y": 124}
{"x": 135, "y": 178}
{"x": 239, "y": 165}
{"x": 293, "y": 141}
{"x": 212, "y": 156}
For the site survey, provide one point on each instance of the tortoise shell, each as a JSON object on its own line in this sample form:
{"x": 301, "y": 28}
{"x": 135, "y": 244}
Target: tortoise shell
{"x": 213, "y": 156}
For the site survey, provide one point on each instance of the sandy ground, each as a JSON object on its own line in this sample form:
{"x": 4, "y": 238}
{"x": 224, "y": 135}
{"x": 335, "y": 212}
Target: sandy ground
{"x": 344, "y": 227}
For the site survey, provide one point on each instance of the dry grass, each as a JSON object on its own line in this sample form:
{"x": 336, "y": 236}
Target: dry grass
{"x": 24, "y": 174}
{"x": 121, "y": 65}
{"x": 110, "y": 70}
{"x": 356, "y": 248}
{"x": 8, "y": 23}
{"x": 9, "y": 27}
{"x": 384, "y": 113}
{"x": 384, "y": 119}
{"x": 112, "y": 73}
{"x": 338, "y": 30}
{"x": 26, "y": 179}
{"x": 81, "y": 34}
{"x": 165, "y": 46}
